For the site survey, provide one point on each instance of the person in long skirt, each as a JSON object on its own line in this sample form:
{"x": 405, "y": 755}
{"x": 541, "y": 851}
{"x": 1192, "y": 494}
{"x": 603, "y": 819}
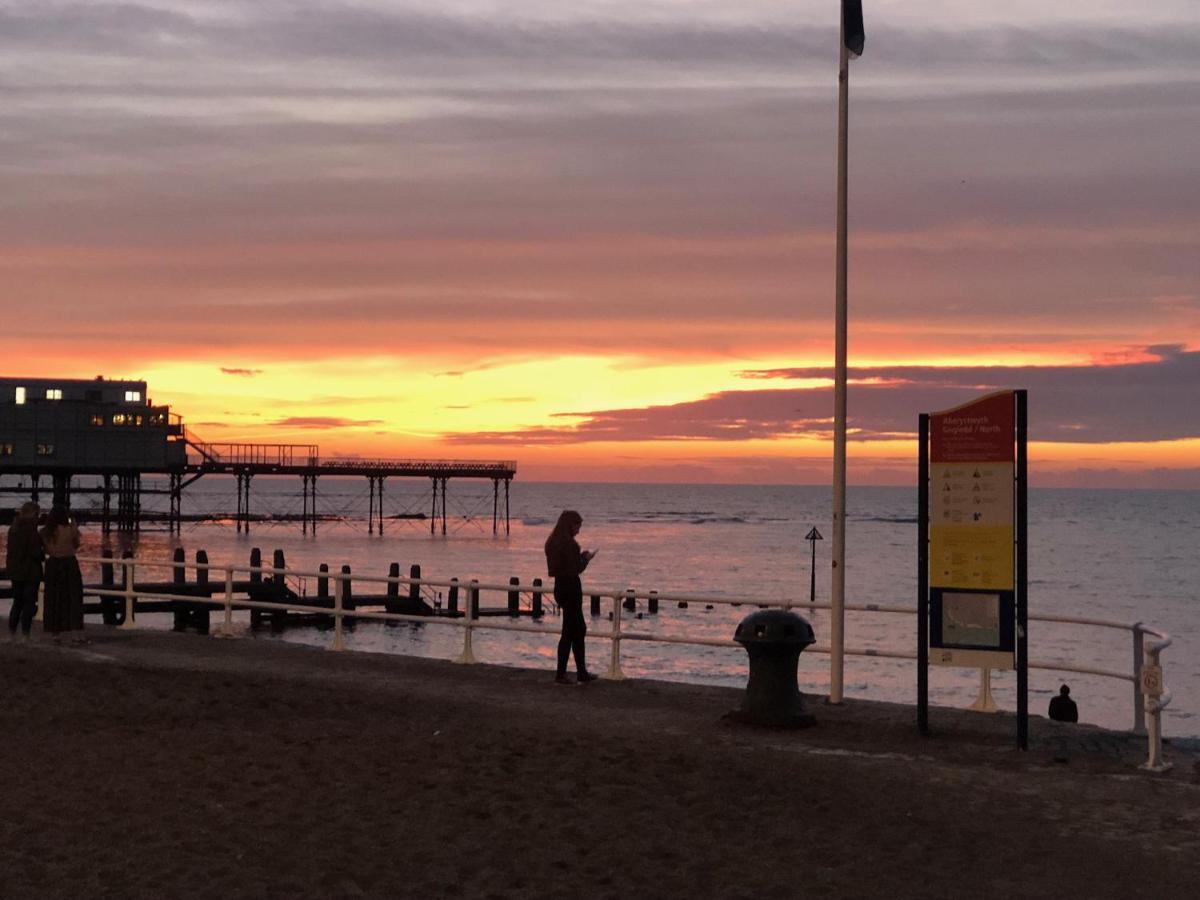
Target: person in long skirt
{"x": 64, "y": 584}
{"x": 565, "y": 562}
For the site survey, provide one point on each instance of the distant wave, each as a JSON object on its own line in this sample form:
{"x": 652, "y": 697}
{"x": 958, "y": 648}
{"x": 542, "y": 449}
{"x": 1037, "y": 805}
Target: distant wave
{"x": 535, "y": 520}
{"x": 895, "y": 520}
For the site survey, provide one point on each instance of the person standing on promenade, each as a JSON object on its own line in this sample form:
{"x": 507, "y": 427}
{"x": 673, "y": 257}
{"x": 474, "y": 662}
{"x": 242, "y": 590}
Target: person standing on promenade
{"x": 64, "y": 584}
{"x": 23, "y": 561}
{"x": 565, "y": 562}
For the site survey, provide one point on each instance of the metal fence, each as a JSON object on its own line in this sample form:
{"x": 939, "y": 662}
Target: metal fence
{"x": 1150, "y": 696}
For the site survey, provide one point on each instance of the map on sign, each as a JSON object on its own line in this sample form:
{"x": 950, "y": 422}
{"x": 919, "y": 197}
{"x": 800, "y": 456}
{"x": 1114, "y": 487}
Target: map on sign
{"x": 971, "y": 619}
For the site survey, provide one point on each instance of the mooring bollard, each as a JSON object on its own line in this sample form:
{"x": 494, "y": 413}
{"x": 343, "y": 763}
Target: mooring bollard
{"x": 630, "y": 600}
{"x": 255, "y": 563}
{"x": 595, "y": 605}
{"x": 514, "y": 597}
{"x": 323, "y": 581}
{"x": 393, "y": 587}
{"x": 652, "y": 602}
{"x": 774, "y": 640}
{"x": 452, "y": 597}
{"x": 537, "y": 598}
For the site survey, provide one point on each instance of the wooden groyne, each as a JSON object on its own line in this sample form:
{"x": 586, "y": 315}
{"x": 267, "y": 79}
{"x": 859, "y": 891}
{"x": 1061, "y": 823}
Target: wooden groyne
{"x": 270, "y": 584}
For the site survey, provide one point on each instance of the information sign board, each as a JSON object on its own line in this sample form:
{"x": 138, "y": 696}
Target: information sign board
{"x": 971, "y": 533}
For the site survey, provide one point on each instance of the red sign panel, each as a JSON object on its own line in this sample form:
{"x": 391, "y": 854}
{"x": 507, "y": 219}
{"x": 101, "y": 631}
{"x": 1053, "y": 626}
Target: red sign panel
{"x": 979, "y": 431}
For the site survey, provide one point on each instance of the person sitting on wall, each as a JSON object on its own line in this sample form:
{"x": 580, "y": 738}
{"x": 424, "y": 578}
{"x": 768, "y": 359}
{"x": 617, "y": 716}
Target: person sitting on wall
{"x": 1062, "y": 707}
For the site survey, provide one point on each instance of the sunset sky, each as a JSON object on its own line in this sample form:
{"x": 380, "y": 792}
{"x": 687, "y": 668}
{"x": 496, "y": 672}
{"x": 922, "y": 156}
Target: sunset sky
{"x": 597, "y": 237}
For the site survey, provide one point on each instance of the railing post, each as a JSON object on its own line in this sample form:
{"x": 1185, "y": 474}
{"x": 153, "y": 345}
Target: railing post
{"x": 227, "y": 625}
{"x": 129, "y": 568}
{"x": 1139, "y": 701}
{"x": 1154, "y": 760}
{"x": 984, "y": 702}
{"x": 614, "y": 669}
{"x": 468, "y": 654}
{"x": 339, "y": 588}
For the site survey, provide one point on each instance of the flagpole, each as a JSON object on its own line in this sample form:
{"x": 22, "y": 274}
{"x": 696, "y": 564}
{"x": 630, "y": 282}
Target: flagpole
{"x": 837, "y": 616}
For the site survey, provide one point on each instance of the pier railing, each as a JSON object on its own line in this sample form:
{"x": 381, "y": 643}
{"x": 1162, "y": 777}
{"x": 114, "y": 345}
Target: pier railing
{"x": 1150, "y": 695}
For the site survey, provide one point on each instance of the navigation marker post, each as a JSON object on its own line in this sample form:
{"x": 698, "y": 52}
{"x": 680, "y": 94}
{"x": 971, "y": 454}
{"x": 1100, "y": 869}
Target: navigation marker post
{"x": 812, "y": 537}
{"x": 851, "y": 42}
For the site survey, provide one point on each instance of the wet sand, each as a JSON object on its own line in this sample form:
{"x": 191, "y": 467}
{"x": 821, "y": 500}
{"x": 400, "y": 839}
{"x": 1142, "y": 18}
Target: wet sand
{"x": 162, "y": 765}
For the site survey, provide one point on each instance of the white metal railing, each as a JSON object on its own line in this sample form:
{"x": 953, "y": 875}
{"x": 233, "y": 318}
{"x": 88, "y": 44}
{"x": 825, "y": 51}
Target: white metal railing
{"x": 1146, "y": 677}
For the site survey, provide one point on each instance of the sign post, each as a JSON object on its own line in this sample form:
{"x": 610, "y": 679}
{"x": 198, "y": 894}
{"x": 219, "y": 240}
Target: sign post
{"x": 812, "y": 537}
{"x": 972, "y": 556}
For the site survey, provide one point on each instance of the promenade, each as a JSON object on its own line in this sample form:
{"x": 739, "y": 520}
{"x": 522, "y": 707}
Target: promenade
{"x": 156, "y": 765}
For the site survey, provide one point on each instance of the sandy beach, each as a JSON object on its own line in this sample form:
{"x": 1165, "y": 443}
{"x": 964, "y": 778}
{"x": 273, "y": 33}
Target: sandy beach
{"x": 164, "y": 765}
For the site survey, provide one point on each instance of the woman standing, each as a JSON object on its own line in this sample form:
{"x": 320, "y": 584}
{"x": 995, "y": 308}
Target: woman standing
{"x": 23, "y": 560}
{"x": 564, "y": 562}
{"x": 64, "y": 585}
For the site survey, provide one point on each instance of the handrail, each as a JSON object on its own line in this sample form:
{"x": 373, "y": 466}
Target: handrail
{"x": 1144, "y": 673}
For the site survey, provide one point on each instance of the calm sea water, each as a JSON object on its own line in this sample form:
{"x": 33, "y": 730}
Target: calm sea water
{"x": 1120, "y": 555}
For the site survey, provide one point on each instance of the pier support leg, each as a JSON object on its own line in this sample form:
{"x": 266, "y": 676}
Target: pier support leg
{"x": 495, "y": 504}
{"x": 506, "y": 483}
{"x": 444, "y": 480}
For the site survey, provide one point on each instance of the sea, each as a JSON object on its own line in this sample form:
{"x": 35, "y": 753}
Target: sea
{"x": 1119, "y": 555}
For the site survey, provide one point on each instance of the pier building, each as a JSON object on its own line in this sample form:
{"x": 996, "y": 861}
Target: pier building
{"x": 102, "y": 437}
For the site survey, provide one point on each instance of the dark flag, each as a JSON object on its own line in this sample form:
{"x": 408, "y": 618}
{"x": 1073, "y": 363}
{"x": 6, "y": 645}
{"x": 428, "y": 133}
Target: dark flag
{"x": 852, "y": 26}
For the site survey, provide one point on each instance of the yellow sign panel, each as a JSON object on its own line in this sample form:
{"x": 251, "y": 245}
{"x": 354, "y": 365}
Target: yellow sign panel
{"x": 971, "y": 525}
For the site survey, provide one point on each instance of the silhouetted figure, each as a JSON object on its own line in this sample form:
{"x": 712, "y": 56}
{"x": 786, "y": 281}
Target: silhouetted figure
{"x": 23, "y": 561}
{"x": 1062, "y": 707}
{"x": 564, "y": 562}
{"x": 64, "y": 585}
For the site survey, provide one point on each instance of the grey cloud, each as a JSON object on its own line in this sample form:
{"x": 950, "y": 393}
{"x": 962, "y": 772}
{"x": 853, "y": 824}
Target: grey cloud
{"x": 1147, "y": 401}
{"x": 324, "y": 422}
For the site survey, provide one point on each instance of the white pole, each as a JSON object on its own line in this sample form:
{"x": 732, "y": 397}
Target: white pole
{"x": 837, "y": 616}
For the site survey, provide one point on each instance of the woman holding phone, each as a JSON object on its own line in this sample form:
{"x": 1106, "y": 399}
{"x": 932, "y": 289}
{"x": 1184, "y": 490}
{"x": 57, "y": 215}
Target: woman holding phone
{"x": 565, "y": 562}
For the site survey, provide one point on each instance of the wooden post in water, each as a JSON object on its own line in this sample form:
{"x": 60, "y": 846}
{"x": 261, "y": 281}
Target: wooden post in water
{"x": 514, "y": 598}
{"x": 452, "y": 597}
{"x": 108, "y": 605}
{"x": 179, "y": 609}
{"x": 255, "y": 563}
{"x": 323, "y": 581}
{"x": 595, "y": 605}
{"x": 630, "y": 602}
{"x": 201, "y": 612}
{"x": 474, "y": 599}
{"x": 537, "y": 599}
{"x": 393, "y": 588}
{"x": 652, "y": 603}
{"x": 414, "y": 590}
{"x": 347, "y": 595}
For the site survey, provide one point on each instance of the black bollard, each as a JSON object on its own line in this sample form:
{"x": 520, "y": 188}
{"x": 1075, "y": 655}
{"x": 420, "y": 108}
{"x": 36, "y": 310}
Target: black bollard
{"x": 652, "y": 602}
{"x": 393, "y": 587}
{"x": 537, "y": 598}
{"x": 323, "y": 581}
{"x": 774, "y": 640}
{"x": 595, "y": 605}
{"x": 452, "y": 597}
{"x": 514, "y": 598}
{"x": 473, "y": 599}
{"x": 255, "y": 563}
{"x": 347, "y": 591}
{"x": 630, "y": 601}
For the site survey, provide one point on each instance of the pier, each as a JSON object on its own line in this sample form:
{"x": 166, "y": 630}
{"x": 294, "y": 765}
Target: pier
{"x": 68, "y": 438}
